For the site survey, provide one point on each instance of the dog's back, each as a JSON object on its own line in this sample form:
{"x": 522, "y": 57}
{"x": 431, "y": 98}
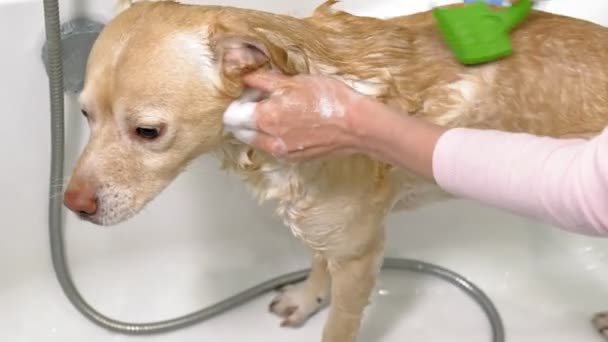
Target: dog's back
{"x": 555, "y": 83}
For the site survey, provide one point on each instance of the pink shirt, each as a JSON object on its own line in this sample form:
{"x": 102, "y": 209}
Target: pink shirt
{"x": 560, "y": 181}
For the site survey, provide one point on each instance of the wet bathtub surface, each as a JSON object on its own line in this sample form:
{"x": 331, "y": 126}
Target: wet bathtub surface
{"x": 544, "y": 283}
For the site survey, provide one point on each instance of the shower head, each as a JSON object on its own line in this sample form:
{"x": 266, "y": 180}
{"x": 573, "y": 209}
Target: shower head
{"x": 77, "y": 38}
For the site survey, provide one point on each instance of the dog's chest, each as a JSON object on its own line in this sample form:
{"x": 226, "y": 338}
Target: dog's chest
{"x": 286, "y": 185}
{"x": 312, "y": 214}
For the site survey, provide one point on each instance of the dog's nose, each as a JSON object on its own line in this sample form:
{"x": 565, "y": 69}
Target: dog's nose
{"x": 81, "y": 199}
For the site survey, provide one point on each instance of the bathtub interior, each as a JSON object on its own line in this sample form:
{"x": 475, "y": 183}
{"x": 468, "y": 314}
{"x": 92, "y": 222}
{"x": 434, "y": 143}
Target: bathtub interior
{"x": 205, "y": 238}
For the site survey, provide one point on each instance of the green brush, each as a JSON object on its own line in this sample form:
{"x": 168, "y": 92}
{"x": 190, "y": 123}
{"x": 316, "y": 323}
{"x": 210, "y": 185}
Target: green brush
{"x": 478, "y": 34}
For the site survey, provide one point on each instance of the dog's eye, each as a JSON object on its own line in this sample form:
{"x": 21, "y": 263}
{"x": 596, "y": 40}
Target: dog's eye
{"x": 84, "y": 112}
{"x": 147, "y": 133}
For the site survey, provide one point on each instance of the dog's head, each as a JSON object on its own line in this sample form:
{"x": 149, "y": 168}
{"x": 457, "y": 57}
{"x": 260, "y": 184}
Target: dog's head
{"x": 158, "y": 80}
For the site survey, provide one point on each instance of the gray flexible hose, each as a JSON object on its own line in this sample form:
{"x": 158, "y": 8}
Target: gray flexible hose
{"x": 55, "y": 71}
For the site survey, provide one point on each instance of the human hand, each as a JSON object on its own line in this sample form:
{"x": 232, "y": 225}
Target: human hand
{"x": 302, "y": 117}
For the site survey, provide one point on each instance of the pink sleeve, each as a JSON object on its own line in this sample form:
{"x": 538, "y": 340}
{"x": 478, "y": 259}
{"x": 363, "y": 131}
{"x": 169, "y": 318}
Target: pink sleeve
{"x": 563, "y": 182}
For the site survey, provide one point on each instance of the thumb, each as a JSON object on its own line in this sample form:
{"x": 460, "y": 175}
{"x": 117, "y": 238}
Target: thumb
{"x": 266, "y": 81}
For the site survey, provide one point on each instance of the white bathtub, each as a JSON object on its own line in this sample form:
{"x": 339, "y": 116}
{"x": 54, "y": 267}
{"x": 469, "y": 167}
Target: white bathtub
{"x": 205, "y": 239}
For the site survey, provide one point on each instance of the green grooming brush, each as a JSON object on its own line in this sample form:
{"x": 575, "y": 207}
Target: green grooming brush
{"x": 478, "y": 34}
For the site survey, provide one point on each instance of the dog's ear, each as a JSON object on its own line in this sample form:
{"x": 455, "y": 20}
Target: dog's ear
{"x": 240, "y": 49}
{"x": 241, "y": 55}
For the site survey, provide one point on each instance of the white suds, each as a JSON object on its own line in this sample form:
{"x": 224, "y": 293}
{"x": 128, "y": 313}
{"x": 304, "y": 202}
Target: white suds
{"x": 325, "y": 108}
{"x": 240, "y": 115}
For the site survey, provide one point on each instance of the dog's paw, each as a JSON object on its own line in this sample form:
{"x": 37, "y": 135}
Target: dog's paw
{"x": 600, "y": 323}
{"x": 296, "y": 303}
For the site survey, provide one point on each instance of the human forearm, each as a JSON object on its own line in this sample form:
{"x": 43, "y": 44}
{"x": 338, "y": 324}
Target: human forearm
{"x": 391, "y": 136}
{"x": 560, "y": 181}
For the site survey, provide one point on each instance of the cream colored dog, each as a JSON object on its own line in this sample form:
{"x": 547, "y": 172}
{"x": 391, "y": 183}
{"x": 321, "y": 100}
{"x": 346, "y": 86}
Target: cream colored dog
{"x": 161, "y": 75}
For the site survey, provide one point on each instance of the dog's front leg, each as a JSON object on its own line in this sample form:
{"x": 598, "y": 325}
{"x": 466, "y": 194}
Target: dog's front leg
{"x": 353, "y": 279}
{"x": 298, "y": 302}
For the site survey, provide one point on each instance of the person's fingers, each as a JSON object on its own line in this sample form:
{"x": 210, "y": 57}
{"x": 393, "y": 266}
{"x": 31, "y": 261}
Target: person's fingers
{"x": 266, "y": 81}
{"x": 263, "y": 116}
{"x": 240, "y": 115}
{"x": 306, "y": 154}
{"x": 270, "y": 118}
{"x": 278, "y": 148}
{"x": 316, "y": 152}
{"x": 270, "y": 144}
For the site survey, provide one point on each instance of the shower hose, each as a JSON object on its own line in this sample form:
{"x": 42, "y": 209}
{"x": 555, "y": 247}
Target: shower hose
{"x": 56, "y": 229}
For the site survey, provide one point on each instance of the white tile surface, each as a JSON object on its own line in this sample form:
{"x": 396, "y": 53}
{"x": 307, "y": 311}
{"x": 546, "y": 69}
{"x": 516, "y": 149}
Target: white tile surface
{"x": 189, "y": 249}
